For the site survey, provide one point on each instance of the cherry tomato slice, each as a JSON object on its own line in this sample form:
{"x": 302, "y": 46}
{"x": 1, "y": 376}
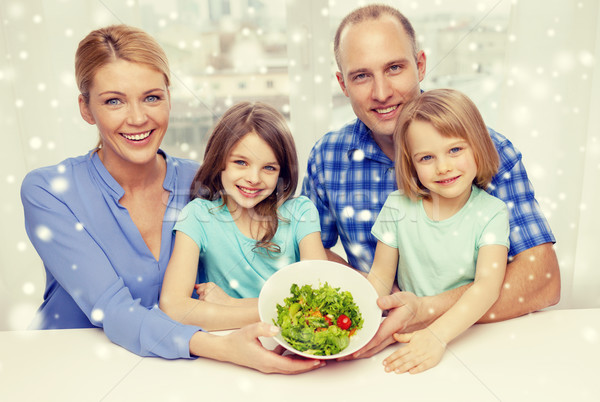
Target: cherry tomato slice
{"x": 344, "y": 322}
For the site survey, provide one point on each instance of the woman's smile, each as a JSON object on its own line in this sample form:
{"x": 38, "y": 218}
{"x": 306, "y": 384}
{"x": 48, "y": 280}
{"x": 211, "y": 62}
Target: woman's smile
{"x": 137, "y": 137}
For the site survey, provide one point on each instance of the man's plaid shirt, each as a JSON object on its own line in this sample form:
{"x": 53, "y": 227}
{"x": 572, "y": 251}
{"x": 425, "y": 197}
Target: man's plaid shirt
{"x": 349, "y": 178}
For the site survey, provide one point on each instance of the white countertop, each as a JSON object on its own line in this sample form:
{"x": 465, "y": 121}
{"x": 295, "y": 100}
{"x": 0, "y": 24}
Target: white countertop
{"x": 546, "y": 356}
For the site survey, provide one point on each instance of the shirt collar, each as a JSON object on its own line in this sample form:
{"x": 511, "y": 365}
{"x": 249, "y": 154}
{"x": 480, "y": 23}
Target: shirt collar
{"x": 363, "y": 141}
{"x": 170, "y": 176}
{"x": 116, "y": 190}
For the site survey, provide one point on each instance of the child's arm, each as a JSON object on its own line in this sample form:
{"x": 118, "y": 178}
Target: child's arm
{"x": 383, "y": 272}
{"x": 426, "y": 347}
{"x": 311, "y": 247}
{"x": 178, "y": 285}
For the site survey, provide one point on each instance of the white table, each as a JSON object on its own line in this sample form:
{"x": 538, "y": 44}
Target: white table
{"x": 546, "y": 356}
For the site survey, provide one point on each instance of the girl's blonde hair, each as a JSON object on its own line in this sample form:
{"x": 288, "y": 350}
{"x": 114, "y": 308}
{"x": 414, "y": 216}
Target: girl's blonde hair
{"x": 452, "y": 114}
{"x": 239, "y": 120}
{"x": 116, "y": 42}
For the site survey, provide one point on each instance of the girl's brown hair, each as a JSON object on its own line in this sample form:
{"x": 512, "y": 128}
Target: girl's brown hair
{"x": 239, "y": 120}
{"x": 452, "y": 114}
{"x": 116, "y": 42}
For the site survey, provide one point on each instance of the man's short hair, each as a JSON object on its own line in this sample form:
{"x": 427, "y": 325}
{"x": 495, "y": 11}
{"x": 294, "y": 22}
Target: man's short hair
{"x": 373, "y": 12}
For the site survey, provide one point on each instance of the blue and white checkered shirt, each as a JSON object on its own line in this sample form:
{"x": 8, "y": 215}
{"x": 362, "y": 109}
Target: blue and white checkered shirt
{"x": 349, "y": 178}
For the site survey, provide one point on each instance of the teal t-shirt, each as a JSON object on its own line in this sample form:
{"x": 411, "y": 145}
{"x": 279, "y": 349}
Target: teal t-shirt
{"x": 435, "y": 256}
{"x": 229, "y": 258}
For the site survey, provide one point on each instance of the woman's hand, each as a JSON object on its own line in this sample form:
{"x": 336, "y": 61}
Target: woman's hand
{"x": 243, "y": 348}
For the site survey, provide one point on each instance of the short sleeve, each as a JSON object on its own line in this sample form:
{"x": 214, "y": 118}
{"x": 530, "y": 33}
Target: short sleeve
{"x": 192, "y": 220}
{"x": 496, "y": 231}
{"x": 385, "y": 228}
{"x": 306, "y": 218}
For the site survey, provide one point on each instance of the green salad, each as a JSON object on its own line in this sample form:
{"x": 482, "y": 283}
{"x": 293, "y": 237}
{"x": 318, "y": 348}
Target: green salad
{"x": 318, "y": 321}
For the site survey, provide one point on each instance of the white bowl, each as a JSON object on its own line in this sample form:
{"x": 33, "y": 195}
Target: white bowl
{"x": 316, "y": 273}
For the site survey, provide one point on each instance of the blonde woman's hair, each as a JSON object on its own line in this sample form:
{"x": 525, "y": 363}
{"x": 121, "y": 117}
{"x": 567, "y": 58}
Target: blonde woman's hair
{"x": 452, "y": 114}
{"x": 116, "y": 42}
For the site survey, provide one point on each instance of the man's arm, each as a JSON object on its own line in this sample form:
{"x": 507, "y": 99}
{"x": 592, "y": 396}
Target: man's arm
{"x": 532, "y": 282}
{"x": 335, "y": 257}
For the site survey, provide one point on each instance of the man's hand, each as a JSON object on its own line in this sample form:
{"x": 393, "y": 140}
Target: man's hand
{"x": 404, "y": 316}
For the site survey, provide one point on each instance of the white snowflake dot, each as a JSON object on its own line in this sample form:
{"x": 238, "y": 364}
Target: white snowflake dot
{"x": 490, "y": 238}
{"x": 28, "y": 288}
{"x": 43, "y": 233}
{"x": 21, "y": 246}
{"x": 348, "y": 212}
{"x": 388, "y": 237}
{"x": 586, "y": 58}
{"x": 590, "y": 334}
{"x": 97, "y": 315}
{"x": 358, "y": 155}
{"x": 234, "y": 284}
{"x": 364, "y": 215}
{"x": 59, "y": 184}
{"x": 356, "y": 248}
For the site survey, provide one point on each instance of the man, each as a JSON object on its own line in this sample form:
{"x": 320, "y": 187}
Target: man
{"x": 351, "y": 173}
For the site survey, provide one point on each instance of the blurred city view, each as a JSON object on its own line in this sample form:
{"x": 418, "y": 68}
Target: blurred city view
{"x": 225, "y": 51}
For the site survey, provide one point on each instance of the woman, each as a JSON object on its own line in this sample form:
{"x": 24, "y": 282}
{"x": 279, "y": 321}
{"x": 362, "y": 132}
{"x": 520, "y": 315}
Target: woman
{"x": 102, "y": 223}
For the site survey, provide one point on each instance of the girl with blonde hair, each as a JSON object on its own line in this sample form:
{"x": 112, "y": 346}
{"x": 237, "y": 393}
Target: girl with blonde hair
{"x": 441, "y": 230}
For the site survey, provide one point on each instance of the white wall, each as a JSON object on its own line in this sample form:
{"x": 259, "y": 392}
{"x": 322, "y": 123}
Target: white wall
{"x": 549, "y": 109}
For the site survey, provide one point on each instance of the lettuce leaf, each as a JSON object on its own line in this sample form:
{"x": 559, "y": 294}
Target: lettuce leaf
{"x": 308, "y": 319}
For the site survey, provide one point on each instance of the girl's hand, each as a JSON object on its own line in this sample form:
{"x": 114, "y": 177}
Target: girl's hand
{"x": 403, "y": 308}
{"x": 423, "y": 351}
{"x": 212, "y": 293}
